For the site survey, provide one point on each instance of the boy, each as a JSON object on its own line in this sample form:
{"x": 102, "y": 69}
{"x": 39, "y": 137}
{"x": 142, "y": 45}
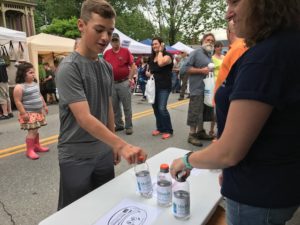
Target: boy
{"x": 88, "y": 147}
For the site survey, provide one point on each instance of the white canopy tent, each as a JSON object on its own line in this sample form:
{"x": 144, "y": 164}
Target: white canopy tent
{"x": 17, "y": 38}
{"x": 182, "y": 47}
{"x": 220, "y": 34}
{"x": 134, "y": 47}
{"x": 7, "y": 35}
{"x": 48, "y": 46}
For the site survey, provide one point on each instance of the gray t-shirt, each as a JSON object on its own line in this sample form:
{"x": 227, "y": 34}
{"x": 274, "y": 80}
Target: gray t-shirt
{"x": 199, "y": 59}
{"x": 80, "y": 79}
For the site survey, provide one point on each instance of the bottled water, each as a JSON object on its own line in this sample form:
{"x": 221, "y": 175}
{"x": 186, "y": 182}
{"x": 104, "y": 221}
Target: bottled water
{"x": 164, "y": 186}
{"x": 181, "y": 197}
{"x": 143, "y": 178}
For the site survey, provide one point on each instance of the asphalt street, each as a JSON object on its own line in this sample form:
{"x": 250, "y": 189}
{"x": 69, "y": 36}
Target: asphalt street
{"x": 29, "y": 189}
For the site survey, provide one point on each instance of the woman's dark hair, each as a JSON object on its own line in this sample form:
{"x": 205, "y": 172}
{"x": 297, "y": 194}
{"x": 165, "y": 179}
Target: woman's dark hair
{"x": 23, "y": 68}
{"x": 268, "y": 16}
{"x": 160, "y": 40}
{"x": 218, "y": 44}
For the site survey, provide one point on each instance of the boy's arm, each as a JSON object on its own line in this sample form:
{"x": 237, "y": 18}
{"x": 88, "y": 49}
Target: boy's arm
{"x": 97, "y": 129}
{"x": 111, "y": 117}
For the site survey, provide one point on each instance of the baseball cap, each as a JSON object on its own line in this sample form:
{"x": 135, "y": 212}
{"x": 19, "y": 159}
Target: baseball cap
{"x": 115, "y": 36}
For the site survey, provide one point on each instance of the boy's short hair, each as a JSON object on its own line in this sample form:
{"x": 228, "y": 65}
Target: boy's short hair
{"x": 100, "y": 7}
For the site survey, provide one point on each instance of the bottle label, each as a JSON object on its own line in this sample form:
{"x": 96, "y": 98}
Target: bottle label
{"x": 164, "y": 192}
{"x": 181, "y": 204}
{"x": 144, "y": 182}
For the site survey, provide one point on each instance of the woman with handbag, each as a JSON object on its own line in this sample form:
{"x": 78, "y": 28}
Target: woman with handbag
{"x": 161, "y": 64}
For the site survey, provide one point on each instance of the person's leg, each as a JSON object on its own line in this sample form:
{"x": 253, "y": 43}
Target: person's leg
{"x": 162, "y": 101}
{"x": 104, "y": 170}
{"x": 75, "y": 180}
{"x": 30, "y": 144}
{"x": 183, "y": 86}
{"x": 157, "y": 115}
{"x": 242, "y": 214}
{"x": 37, "y": 146}
{"x": 193, "y": 120}
{"x": 125, "y": 98}
{"x": 117, "y": 108}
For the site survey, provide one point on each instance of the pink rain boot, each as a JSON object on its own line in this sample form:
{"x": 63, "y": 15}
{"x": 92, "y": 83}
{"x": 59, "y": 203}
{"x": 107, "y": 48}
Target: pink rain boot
{"x": 30, "y": 153}
{"x": 37, "y": 146}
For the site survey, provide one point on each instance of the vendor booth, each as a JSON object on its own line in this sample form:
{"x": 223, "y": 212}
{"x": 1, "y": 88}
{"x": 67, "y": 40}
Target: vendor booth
{"x": 134, "y": 47}
{"x": 13, "y": 48}
{"x": 182, "y": 47}
{"x": 49, "y": 47}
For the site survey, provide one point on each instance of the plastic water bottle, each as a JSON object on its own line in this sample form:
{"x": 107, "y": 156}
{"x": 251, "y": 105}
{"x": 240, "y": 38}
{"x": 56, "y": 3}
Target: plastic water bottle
{"x": 181, "y": 197}
{"x": 164, "y": 186}
{"x": 143, "y": 178}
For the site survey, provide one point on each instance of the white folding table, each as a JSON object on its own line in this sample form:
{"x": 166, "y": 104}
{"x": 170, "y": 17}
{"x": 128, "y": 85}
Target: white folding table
{"x": 204, "y": 192}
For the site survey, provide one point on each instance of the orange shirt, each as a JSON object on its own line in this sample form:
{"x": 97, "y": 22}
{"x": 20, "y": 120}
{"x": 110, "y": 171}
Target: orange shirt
{"x": 236, "y": 50}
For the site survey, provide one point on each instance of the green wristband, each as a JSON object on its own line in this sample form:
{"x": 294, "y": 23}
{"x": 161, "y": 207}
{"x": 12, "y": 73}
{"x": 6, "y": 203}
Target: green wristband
{"x": 185, "y": 160}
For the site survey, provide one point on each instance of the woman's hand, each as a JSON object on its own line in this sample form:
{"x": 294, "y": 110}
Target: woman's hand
{"x": 177, "y": 166}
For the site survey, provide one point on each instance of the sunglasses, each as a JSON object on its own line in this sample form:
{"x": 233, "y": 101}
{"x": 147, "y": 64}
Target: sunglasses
{"x": 114, "y": 40}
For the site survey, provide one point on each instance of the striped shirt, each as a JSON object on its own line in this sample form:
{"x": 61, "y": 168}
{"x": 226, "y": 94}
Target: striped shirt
{"x": 31, "y": 100}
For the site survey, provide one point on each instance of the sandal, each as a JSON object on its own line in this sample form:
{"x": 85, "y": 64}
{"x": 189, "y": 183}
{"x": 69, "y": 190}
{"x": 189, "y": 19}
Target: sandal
{"x": 166, "y": 136}
{"x": 156, "y": 133}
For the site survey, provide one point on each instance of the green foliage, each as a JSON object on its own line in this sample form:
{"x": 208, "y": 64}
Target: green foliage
{"x": 135, "y": 25}
{"x": 63, "y": 27}
{"x": 189, "y": 17}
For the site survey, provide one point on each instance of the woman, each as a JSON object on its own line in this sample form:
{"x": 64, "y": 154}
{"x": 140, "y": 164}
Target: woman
{"x": 217, "y": 57}
{"x": 161, "y": 64}
{"x": 142, "y": 77}
{"x": 258, "y": 146}
{"x": 217, "y": 60}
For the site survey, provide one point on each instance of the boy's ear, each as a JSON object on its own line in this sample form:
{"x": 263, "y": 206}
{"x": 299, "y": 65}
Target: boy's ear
{"x": 80, "y": 25}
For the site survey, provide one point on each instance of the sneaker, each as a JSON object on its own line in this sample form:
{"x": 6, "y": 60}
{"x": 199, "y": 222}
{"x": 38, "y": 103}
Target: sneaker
{"x": 119, "y": 129}
{"x": 192, "y": 139}
{"x": 202, "y": 135}
{"x": 156, "y": 133}
{"x": 129, "y": 131}
{"x": 166, "y": 136}
{"x": 3, "y": 117}
{"x": 10, "y": 115}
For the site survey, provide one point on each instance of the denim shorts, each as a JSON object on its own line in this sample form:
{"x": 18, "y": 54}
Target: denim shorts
{"x": 242, "y": 214}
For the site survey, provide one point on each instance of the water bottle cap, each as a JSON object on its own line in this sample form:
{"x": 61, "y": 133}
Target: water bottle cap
{"x": 164, "y": 167}
{"x": 141, "y": 159}
{"x": 181, "y": 176}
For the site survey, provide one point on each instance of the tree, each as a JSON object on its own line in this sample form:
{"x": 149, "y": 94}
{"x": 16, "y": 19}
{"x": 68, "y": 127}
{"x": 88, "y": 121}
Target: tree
{"x": 135, "y": 25}
{"x": 191, "y": 17}
{"x": 63, "y": 27}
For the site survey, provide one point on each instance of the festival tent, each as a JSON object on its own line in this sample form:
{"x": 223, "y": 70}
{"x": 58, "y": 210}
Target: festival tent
{"x": 49, "y": 46}
{"x": 182, "y": 47}
{"x": 11, "y": 35}
{"x": 134, "y": 46}
{"x": 18, "y": 39}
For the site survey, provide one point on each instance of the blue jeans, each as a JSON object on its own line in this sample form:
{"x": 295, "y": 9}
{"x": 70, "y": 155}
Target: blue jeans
{"x": 162, "y": 115}
{"x": 242, "y": 214}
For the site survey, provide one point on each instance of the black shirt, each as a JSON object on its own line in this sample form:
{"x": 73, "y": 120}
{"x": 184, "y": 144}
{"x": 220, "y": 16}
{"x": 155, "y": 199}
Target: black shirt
{"x": 162, "y": 75}
{"x": 269, "y": 175}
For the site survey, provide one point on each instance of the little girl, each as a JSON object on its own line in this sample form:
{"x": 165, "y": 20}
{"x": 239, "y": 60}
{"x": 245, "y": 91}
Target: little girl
{"x": 30, "y": 103}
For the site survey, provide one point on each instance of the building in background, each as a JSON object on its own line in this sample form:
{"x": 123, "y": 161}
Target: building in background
{"x": 18, "y": 15}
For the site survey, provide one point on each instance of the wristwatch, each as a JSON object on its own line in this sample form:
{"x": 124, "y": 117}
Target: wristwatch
{"x": 185, "y": 160}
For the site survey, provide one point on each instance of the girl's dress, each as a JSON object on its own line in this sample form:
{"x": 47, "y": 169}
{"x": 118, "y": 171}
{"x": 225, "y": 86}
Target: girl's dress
{"x": 33, "y": 105}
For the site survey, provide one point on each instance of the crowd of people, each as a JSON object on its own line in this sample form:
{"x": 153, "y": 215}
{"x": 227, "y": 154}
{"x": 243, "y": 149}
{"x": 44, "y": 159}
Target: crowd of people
{"x": 256, "y": 106}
